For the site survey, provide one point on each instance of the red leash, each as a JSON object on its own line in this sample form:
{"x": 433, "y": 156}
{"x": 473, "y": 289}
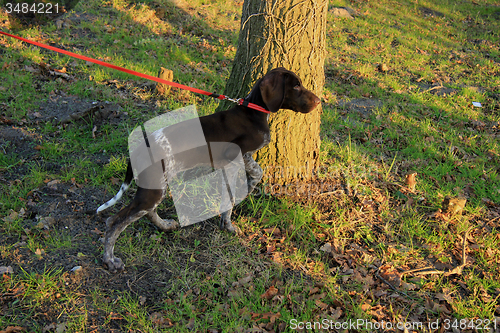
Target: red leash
{"x": 239, "y": 101}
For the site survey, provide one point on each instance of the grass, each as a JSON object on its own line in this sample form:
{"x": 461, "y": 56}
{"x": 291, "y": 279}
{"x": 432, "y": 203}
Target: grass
{"x": 366, "y": 247}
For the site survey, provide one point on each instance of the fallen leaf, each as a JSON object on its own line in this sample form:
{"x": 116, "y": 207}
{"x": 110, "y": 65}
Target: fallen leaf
{"x": 365, "y": 307}
{"x": 96, "y": 231}
{"x": 270, "y": 293}
{"x": 190, "y": 324}
{"x": 453, "y": 206}
{"x": 321, "y": 305}
{"x": 408, "y": 286}
{"x": 245, "y": 280}
{"x": 158, "y": 319}
{"x": 377, "y": 312}
{"x": 327, "y": 247}
{"x": 13, "y": 329}
{"x": 11, "y": 217}
{"x": 232, "y": 293}
{"x": 313, "y": 291}
{"x": 411, "y": 180}
{"x": 115, "y": 316}
{"x": 53, "y": 183}
{"x": 6, "y": 270}
{"x": 391, "y": 275}
{"x": 444, "y": 297}
{"x": 273, "y": 231}
{"x": 61, "y": 328}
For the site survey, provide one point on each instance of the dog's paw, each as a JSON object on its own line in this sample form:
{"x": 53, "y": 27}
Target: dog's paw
{"x": 115, "y": 264}
{"x": 167, "y": 225}
{"x": 232, "y": 228}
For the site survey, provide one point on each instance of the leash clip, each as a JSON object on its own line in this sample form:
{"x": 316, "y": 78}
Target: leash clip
{"x": 238, "y": 101}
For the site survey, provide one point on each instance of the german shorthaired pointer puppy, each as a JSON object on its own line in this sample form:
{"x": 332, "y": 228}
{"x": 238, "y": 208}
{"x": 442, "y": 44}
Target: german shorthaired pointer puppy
{"x": 245, "y": 127}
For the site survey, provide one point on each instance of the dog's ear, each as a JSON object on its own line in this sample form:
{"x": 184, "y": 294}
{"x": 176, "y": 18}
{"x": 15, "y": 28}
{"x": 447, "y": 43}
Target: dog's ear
{"x": 272, "y": 89}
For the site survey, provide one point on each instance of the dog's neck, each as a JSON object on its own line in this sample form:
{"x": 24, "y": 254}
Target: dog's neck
{"x": 255, "y": 97}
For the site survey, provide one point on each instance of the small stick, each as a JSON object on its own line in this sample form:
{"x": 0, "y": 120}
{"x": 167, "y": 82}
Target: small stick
{"x": 456, "y": 270}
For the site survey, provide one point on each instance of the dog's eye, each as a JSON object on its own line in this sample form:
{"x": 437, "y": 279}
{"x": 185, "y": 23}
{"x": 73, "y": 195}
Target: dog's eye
{"x": 297, "y": 87}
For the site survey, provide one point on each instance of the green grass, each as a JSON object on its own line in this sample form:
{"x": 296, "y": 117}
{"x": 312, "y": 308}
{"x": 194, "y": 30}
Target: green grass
{"x": 201, "y": 279}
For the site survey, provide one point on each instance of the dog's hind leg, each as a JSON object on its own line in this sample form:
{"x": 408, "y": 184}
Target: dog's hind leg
{"x": 144, "y": 203}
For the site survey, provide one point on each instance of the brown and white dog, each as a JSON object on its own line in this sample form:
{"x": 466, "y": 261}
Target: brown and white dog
{"x": 242, "y": 126}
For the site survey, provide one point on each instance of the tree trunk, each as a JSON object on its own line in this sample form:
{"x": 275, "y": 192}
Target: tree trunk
{"x": 290, "y": 34}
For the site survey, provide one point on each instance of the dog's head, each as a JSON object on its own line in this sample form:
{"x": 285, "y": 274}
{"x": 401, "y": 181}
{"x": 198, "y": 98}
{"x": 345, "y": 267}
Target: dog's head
{"x": 283, "y": 89}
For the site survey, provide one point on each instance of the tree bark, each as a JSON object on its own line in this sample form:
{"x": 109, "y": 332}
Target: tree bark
{"x": 290, "y": 34}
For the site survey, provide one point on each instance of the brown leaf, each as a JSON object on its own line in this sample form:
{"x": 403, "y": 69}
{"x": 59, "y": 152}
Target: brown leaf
{"x": 365, "y": 307}
{"x": 232, "y": 293}
{"x": 321, "y": 305}
{"x": 245, "y": 280}
{"x": 270, "y": 293}
{"x": 13, "y": 329}
{"x": 11, "y": 217}
{"x": 408, "y": 286}
{"x": 271, "y": 316}
{"x": 453, "y": 205}
{"x": 411, "y": 180}
{"x": 277, "y": 257}
{"x": 115, "y": 316}
{"x": 190, "y": 324}
{"x": 391, "y": 275}
{"x": 52, "y": 183}
{"x": 318, "y": 296}
{"x": 436, "y": 307}
{"x": 158, "y": 319}
{"x": 313, "y": 291}
{"x": 273, "y": 231}
{"x": 5, "y": 120}
{"x": 327, "y": 247}
{"x": 457, "y": 270}
{"x": 377, "y": 312}
{"x": 444, "y": 296}
{"x": 96, "y": 231}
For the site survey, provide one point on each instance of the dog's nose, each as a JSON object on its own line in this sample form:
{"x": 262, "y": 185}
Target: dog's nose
{"x": 316, "y": 100}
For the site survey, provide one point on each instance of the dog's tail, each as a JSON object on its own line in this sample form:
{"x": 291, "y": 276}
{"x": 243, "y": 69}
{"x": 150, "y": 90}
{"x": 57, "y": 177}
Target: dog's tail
{"x": 125, "y": 185}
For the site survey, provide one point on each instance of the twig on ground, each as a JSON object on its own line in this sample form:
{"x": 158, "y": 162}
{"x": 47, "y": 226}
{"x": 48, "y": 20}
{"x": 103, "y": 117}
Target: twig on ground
{"x": 433, "y": 88}
{"x": 456, "y": 270}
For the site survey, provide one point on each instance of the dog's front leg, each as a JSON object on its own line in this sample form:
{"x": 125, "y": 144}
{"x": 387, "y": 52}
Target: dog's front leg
{"x": 229, "y": 193}
{"x": 226, "y": 223}
{"x": 253, "y": 170}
